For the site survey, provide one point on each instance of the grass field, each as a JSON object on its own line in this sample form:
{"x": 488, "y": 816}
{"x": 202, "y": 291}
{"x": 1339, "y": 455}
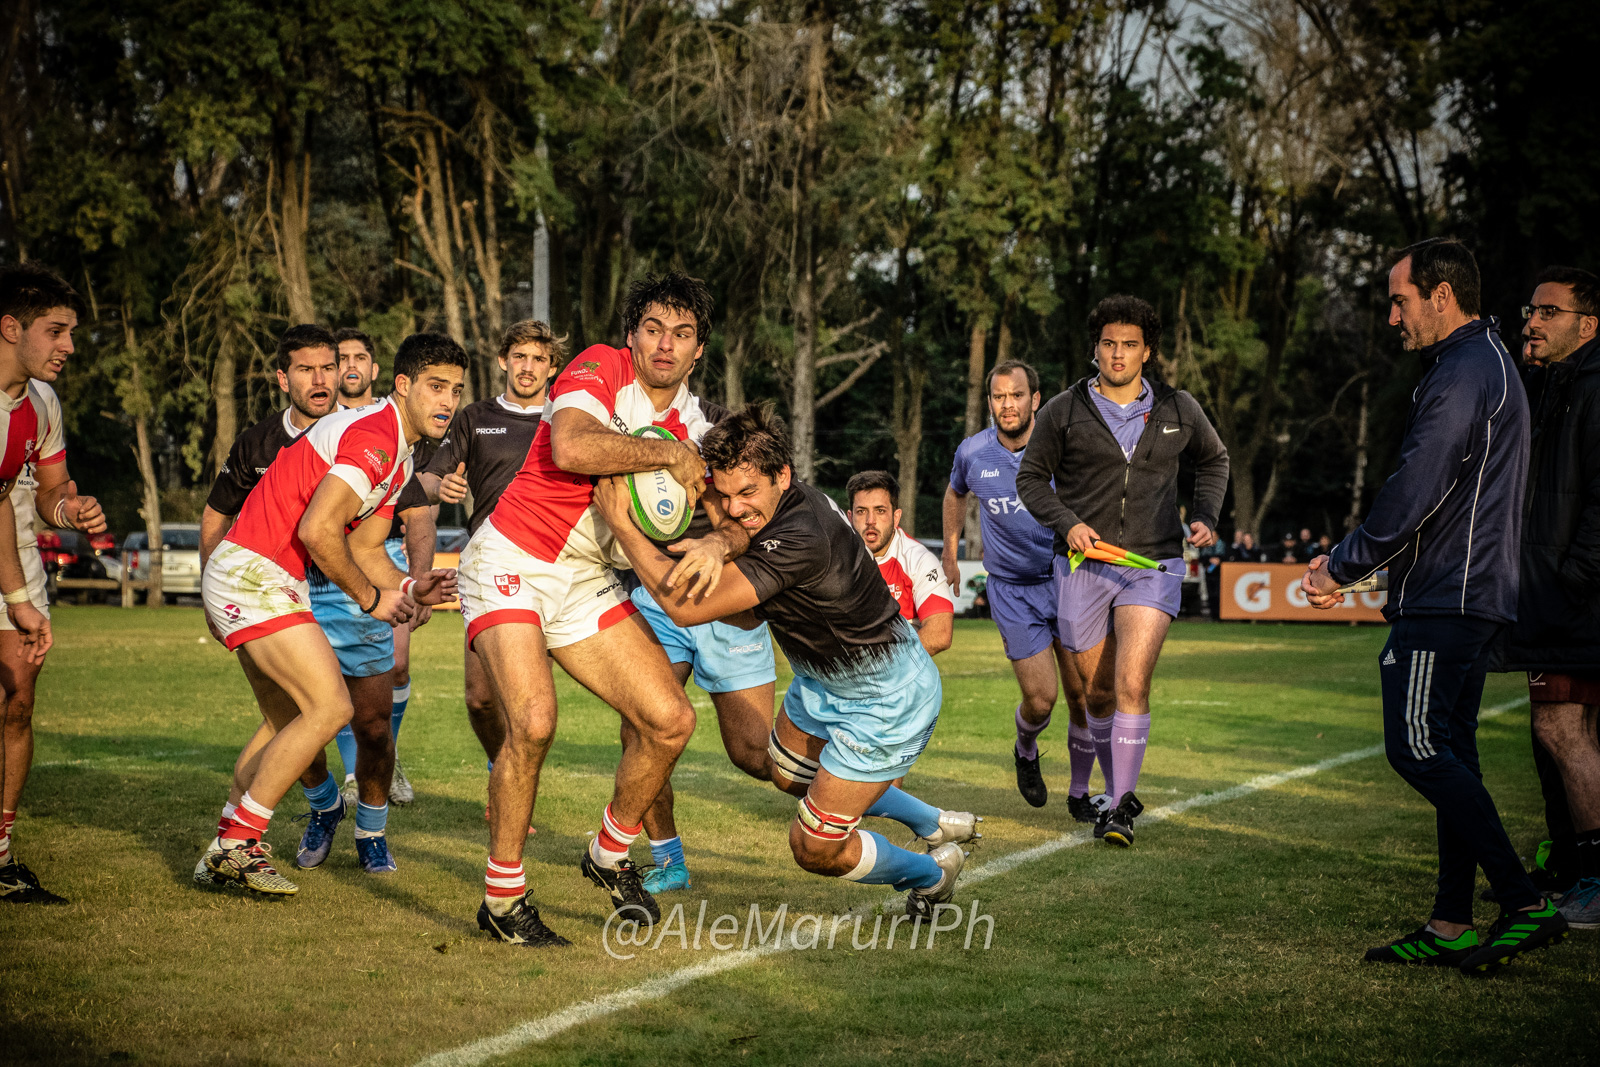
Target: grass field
{"x": 1231, "y": 932}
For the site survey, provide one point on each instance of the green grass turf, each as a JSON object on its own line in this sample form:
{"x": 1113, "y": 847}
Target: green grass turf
{"x": 1231, "y": 933}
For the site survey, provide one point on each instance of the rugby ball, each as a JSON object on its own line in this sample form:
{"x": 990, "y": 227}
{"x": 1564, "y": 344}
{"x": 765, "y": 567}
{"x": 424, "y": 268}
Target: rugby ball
{"x": 660, "y": 504}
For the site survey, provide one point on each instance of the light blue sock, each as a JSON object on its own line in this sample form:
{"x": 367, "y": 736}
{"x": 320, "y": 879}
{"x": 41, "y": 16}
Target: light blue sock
{"x": 324, "y": 797}
{"x": 397, "y": 708}
{"x": 346, "y": 740}
{"x": 886, "y": 864}
{"x": 897, "y": 804}
{"x": 666, "y": 852}
{"x": 370, "y": 821}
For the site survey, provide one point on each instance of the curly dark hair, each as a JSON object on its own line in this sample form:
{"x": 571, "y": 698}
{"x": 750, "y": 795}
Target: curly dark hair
{"x": 1126, "y": 311}
{"x": 756, "y": 436}
{"x": 674, "y": 290}
{"x": 423, "y": 350}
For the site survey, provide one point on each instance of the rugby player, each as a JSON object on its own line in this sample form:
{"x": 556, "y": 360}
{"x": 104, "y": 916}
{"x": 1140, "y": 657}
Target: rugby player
{"x": 865, "y": 696}
{"x": 538, "y": 576}
{"x": 735, "y": 667}
{"x": 326, "y": 500}
{"x": 1117, "y": 478}
{"x": 1018, "y": 559}
{"x": 910, "y": 571}
{"x": 411, "y": 538}
{"x": 306, "y": 373}
{"x": 38, "y": 312}
{"x": 487, "y": 444}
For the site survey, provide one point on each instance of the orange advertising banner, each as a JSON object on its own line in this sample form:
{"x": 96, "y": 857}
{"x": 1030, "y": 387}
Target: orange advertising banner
{"x": 1272, "y": 591}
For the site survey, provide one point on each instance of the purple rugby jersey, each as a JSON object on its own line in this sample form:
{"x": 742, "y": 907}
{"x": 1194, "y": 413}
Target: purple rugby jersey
{"x": 1016, "y": 548}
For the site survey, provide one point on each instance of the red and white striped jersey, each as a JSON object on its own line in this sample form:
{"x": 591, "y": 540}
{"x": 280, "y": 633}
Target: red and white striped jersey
{"x": 33, "y": 438}
{"x": 915, "y": 578}
{"x": 362, "y": 447}
{"x": 545, "y": 511}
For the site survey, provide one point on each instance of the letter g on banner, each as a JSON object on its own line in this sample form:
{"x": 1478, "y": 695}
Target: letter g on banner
{"x": 1252, "y": 591}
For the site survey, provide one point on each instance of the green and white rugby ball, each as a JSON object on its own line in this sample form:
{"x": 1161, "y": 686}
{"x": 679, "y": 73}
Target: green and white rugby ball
{"x": 660, "y": 504}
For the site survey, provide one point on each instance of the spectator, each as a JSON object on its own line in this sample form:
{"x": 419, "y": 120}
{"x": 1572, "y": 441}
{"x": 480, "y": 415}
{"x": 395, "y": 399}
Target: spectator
{"x": 1245, "y": 550}
{"x": 1556, "y": 636}
{"x": 1290, "y": 552}
{"x": 1446, "y": 525}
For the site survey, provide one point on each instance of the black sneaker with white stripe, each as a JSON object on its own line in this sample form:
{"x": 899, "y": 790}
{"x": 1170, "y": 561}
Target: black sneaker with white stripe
{"x": 519, "y": 926}
{"x": 629, "y": 898}
{"x": 18, "y": 885}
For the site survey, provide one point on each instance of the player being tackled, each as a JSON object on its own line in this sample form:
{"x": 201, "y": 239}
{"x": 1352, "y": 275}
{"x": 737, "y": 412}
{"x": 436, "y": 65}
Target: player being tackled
{"x": 326, "y": 499}
{"x": 865, "y": 696}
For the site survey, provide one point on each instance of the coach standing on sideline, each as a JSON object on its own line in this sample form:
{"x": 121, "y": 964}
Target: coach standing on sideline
{"x": 1446, "y": 525}
{"x": 1556, "y": 637}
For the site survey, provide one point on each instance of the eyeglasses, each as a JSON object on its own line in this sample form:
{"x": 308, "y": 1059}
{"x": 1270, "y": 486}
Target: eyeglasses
{"x": 1546, "y": 312}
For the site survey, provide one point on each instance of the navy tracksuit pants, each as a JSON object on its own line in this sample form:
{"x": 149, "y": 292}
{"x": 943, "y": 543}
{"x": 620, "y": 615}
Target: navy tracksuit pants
{"x": 1432, "y": 670}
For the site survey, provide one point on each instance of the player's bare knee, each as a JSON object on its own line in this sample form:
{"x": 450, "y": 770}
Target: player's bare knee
{"x": 19, "y": 710}
{"x": 672, "y": 730}
{"x": 1555, "y": 727}
{"x": 752, "y": 759}
{"x": 1036, "y": 706}
{"x": 815, "y": 855}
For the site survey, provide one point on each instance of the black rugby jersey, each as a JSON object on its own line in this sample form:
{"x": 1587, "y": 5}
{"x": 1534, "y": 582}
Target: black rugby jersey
{"x": 413, "y": 495}
{"x": 252, "y": 453}
{"x": 820, "y": 589}
{"x": 492, "y": 438}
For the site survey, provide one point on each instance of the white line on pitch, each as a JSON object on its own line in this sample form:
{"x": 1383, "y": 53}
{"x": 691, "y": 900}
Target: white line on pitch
{"x": 547, "y": 1026}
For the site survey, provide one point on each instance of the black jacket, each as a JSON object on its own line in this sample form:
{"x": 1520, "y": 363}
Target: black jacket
{"x": 1131, "y": 503}
{"x": 1447, "y": 520}
{"x": 1558, "y": 606}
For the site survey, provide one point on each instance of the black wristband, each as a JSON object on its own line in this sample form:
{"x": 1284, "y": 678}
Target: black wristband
{"x": 377, "y": 595}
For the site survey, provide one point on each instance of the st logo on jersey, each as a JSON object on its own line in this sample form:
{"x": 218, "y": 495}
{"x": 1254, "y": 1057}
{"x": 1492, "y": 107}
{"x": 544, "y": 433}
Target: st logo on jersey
{"x": 377, "y": 456}
{"x": 508, "y": 584}
{"x": 770, "y": 545}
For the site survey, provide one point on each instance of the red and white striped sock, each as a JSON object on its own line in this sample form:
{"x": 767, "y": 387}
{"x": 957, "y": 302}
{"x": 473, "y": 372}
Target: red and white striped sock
{"x": 247, "y": 823}
{"x": 610, "y": 845}
{"x": 227, "y": 818}
{"x": 6, "y": 821}
{"x": 503, "y": 885}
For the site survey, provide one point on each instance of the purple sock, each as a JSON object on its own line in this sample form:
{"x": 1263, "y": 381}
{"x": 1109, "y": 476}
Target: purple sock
{"x": 1028, "y": 735}
{"x": 1130, "y": 735}
{"x": 1080, "y": 748}
{"x": 1100, "y": 735}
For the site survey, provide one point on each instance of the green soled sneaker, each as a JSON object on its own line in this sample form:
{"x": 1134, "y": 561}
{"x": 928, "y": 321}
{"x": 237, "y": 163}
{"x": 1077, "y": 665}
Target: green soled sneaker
{"x": 1514, "y": 933}
{"x": 1427, "y": 949}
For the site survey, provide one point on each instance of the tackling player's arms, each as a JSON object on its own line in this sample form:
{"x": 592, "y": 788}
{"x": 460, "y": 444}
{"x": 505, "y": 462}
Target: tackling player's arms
{"x": 729, "y": 597}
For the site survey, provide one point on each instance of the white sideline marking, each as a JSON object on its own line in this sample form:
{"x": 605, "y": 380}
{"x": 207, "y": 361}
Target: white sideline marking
{"x": 545, "y": 1027}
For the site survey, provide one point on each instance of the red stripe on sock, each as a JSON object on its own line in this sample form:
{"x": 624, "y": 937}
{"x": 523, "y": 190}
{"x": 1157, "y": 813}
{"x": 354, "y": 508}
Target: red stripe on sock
{"x": 513, "y": 880}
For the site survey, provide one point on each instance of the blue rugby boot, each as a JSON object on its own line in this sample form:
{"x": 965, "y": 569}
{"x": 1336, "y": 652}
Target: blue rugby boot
{"x": 666, "y": 879}
{"x": 374, "y": 855}
{"x": 317, "y": 841}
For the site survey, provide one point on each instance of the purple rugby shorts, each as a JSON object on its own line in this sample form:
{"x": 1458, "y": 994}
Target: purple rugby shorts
{"x": 1024, "y": 614}
{"x": 1085, "y": 597}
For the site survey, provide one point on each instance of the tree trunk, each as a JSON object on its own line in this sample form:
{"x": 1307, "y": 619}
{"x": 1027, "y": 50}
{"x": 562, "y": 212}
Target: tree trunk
{"x": 807, "y": 315}
{"x": 294, "y": 222}
{"x": 910, "y": 382}
{"x": 1359, "y": 481}
{"x": 976, "y": 343}
{"x": 733, "y": 375}
{"x": 136, "y": 401}
{"x": 224, "y": 379}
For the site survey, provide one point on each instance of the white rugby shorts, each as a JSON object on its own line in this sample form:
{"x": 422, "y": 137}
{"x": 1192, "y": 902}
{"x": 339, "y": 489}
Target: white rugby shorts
{"x": 248, "y": 596}
{"x": 568, "y": 600}
{"x": 33, "y": 571}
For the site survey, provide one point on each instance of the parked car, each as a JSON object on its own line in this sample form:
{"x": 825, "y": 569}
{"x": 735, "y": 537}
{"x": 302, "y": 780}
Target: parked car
{"x": 180, "y": 558}
{"x": 69, "y": 554}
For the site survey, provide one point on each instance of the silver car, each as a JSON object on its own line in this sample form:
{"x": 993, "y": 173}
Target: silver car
{"x": 180, "y": 558}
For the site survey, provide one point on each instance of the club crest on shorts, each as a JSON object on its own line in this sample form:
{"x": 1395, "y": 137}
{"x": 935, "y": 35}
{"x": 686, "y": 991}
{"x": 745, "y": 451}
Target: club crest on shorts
{"x": 508, "y": 584}
{"x": 294, "y": 597}
{"x": 231, "y": 612}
